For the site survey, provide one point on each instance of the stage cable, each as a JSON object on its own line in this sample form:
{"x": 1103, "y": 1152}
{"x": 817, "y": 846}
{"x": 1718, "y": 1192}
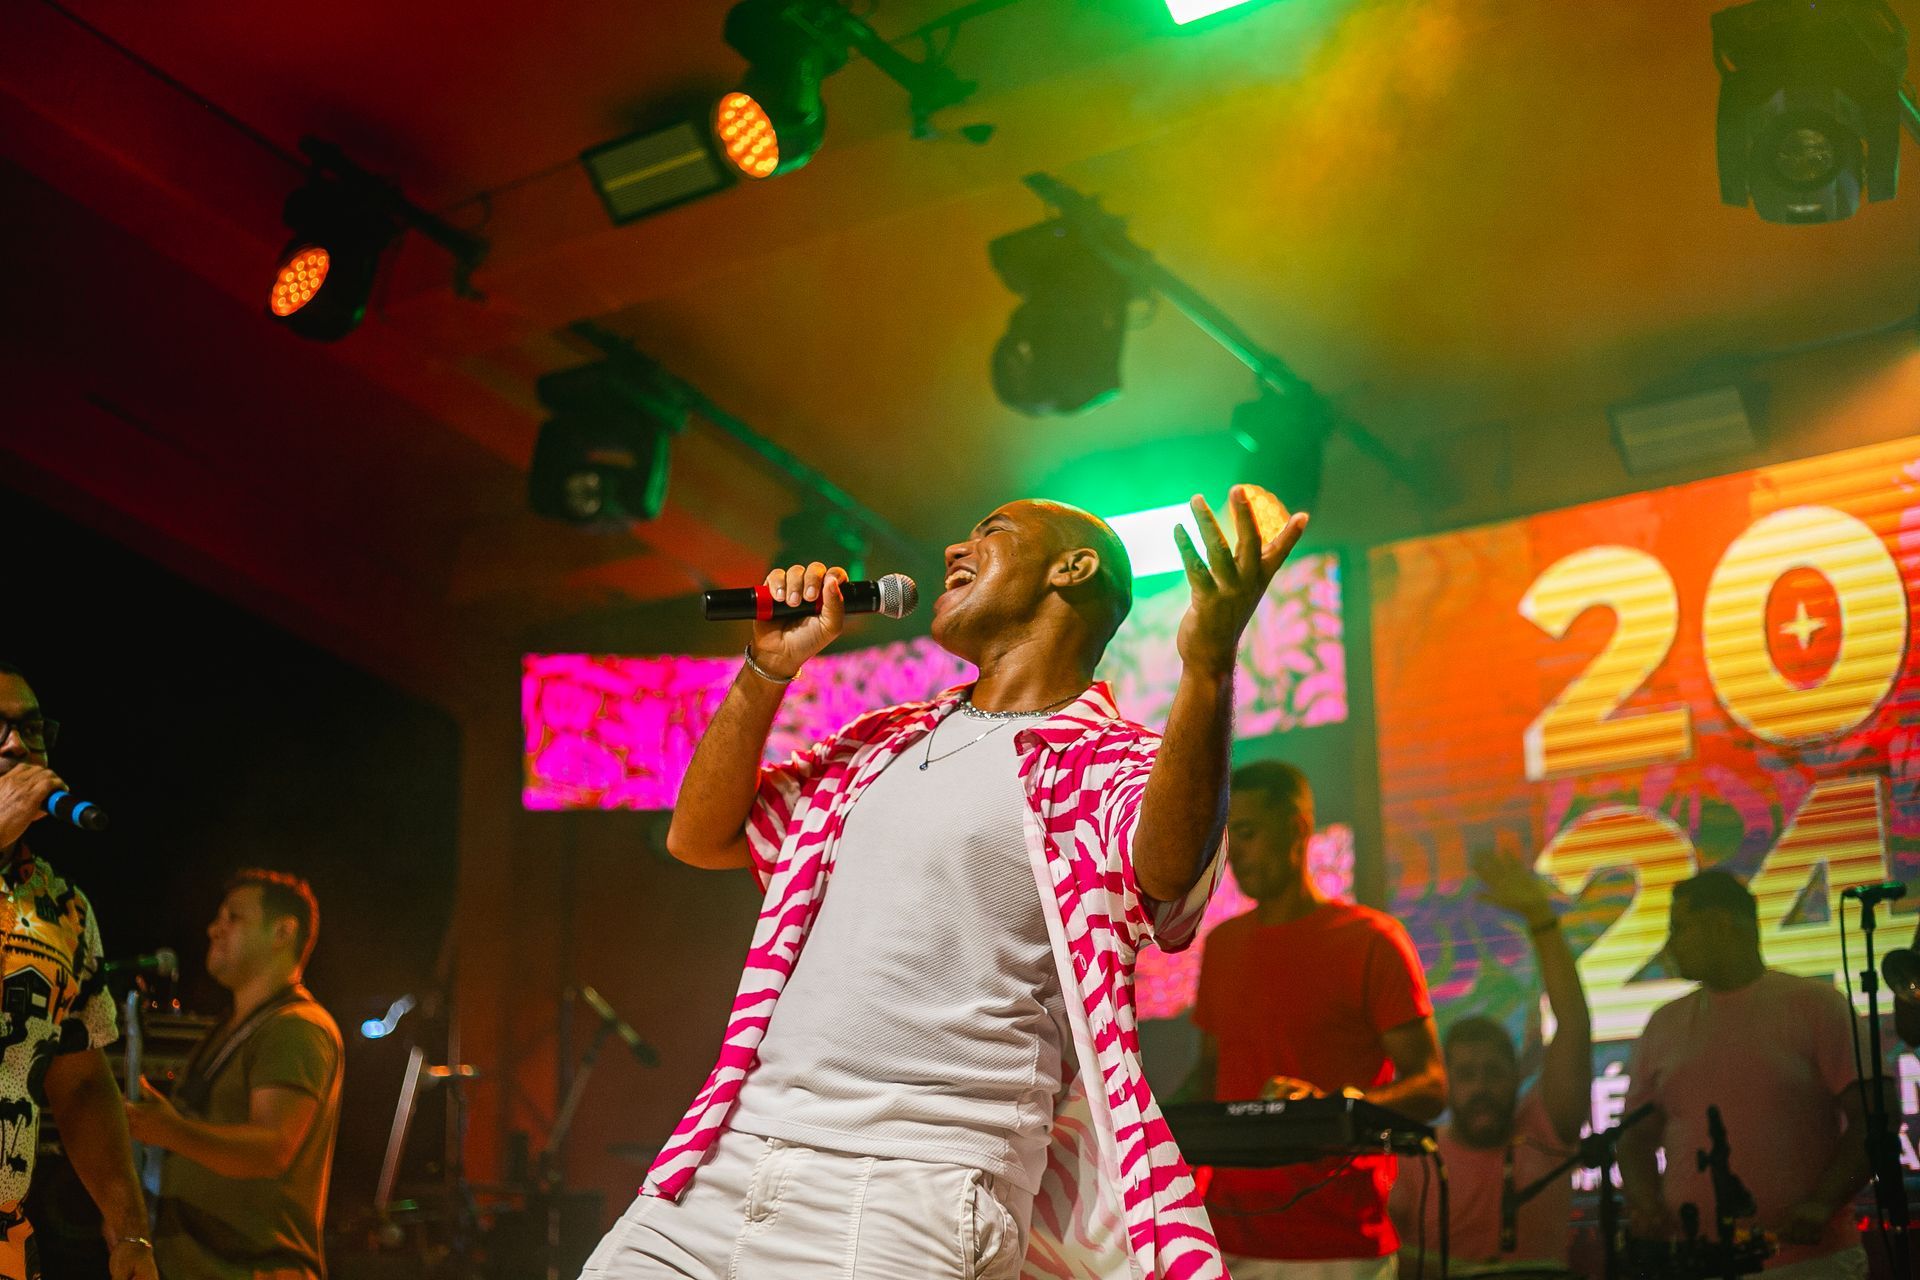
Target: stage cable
{"x": 180, "y": 86}
{"x": 1420, "y": 1232}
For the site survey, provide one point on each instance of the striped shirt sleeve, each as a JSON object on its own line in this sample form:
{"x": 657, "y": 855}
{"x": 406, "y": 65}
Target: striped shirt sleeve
{"x": 1169, "y": 925}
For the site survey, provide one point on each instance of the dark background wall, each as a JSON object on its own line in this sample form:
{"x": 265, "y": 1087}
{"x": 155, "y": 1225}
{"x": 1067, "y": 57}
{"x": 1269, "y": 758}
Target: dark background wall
{"x": 219, "y": 741}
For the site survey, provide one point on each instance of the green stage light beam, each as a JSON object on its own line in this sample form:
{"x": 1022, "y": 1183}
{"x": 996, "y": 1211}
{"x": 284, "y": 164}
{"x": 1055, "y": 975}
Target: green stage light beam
{"x": 1185, "y": 11}
{"x": 1148, "y": 538}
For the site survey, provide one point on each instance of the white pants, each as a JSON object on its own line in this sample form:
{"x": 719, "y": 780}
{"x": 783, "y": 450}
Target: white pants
{"x": 760, "y": 1208}
{"x": 1312, "y": 1269}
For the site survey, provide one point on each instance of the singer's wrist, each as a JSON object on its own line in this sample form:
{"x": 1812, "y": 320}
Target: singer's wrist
{"x": 771, "y": 674}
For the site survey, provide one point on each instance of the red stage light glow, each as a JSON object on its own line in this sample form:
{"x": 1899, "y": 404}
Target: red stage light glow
{"x": 301, "y": 276}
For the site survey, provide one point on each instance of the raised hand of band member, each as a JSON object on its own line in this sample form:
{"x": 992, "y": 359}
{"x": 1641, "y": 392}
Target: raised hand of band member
{"x": 1511, "y": 885}
{"x": 781, "y": 647}
{"x": 23, "y": 799}
{"x": 1227, "y": 583}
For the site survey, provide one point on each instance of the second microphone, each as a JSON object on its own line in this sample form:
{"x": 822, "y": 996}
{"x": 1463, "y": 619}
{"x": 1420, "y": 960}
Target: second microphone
{"x": 895, "y": 595}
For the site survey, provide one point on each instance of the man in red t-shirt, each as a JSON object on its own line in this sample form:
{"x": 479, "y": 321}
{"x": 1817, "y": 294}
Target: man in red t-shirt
{"x": 1302, "y": 997}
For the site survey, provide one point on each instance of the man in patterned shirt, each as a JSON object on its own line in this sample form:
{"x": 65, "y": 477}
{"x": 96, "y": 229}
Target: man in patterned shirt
{"x": 56, "y": 1015}
{"x": 944, "y": 1081}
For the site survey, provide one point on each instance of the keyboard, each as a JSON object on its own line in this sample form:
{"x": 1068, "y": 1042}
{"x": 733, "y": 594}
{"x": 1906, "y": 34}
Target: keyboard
{"x": 1261, "y": 1135}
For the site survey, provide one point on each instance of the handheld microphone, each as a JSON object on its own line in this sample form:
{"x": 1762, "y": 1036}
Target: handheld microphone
{"x": 163, "y": 963}
{"x": 618, "y": 1025}
{"x": 83, "y": 814}
{"x": 894, "y": 595}
{"x": 1885, "y": 891}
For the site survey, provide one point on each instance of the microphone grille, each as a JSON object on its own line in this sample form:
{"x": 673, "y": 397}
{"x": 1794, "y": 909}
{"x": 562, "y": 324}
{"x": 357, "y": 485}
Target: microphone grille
{"x": 898, "y": 595}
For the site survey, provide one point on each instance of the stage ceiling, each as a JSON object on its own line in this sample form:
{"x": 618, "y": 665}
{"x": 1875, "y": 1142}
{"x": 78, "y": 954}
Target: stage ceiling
{"x": 1445, "y": 214}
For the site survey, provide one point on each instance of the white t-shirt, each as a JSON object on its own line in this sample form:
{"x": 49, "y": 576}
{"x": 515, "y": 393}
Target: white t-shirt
{"x": 924, "y": 1019}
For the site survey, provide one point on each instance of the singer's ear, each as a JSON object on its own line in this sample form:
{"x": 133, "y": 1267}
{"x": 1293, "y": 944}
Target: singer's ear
{"x": 1075, "y": 567}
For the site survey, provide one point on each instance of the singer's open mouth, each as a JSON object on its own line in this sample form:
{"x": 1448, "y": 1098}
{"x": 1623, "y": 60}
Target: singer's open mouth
{"x": 958, "y": 580}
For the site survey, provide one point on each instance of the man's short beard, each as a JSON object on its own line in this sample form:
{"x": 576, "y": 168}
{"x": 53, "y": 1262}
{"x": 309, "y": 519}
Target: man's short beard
{"x": 1486, "y": 1121}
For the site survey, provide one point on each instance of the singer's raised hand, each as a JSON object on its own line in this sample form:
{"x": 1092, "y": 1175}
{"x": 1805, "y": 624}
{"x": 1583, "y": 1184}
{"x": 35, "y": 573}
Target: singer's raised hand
{"x": 23, "y": 799}
{"x": 1228, "y": 582}
{"x": 780, "y": 647}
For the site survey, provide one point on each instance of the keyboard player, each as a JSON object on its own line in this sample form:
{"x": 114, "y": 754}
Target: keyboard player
{"x": 1302, "y": 997}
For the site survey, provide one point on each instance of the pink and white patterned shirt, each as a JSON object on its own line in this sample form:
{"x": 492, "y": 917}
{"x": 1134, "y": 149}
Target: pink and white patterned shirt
{"x": 1117, "y": 1199}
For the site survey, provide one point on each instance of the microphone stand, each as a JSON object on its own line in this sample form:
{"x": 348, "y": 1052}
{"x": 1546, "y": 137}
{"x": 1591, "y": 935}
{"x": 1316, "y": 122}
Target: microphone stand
{"x": 1731, "y": 1199}
{"x": 550, "y": 1179}
{"x": 1597, "y": 1151}
{"x": 1883, "y": 1150}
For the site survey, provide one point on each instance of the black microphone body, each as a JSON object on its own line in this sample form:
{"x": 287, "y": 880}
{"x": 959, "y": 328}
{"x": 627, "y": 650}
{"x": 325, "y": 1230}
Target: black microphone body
{"x": 894, "y": 595}
{"x": 83, "y": 814}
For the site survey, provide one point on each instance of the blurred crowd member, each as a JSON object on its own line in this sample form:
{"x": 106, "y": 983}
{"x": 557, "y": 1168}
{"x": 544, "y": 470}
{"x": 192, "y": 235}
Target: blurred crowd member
{"x": 1497, "y": 1141}
{"x": 56, "y": 1016}
{"x": 250, "y": 1127}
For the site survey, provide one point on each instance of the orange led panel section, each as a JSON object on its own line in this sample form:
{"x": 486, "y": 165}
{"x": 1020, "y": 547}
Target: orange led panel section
{"x": 746, "y": 135}
{"x": 301, "y": 276}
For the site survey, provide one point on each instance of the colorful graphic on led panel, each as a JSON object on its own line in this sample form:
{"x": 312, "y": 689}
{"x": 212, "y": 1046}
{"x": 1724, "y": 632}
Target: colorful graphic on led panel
{"x": 1717, "y": 674}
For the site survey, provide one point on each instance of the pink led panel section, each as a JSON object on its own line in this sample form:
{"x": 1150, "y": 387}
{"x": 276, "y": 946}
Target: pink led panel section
{"x": 615, "y": 732}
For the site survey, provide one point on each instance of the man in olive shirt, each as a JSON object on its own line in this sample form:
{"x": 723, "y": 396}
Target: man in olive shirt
{"x": 250, "y": 1127}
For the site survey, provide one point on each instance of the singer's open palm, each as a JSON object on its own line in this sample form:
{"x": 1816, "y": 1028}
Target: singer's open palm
{"x": 780, "y": 647}
{"x": 1228, "y": 583}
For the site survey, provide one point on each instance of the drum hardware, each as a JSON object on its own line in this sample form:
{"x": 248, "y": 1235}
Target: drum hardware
{"x": 1597, "y": 1151}
{"x": 1882, "y": 1129}
{"x": 1732, "y": 1251}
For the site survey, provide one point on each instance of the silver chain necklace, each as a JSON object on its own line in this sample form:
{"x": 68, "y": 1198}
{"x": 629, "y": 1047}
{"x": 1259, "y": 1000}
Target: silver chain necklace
{"x": 1003, "y": 718}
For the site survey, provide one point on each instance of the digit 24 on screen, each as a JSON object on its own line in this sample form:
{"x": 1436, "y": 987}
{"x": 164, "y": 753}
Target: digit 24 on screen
{"x": 1716, "y": 674}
